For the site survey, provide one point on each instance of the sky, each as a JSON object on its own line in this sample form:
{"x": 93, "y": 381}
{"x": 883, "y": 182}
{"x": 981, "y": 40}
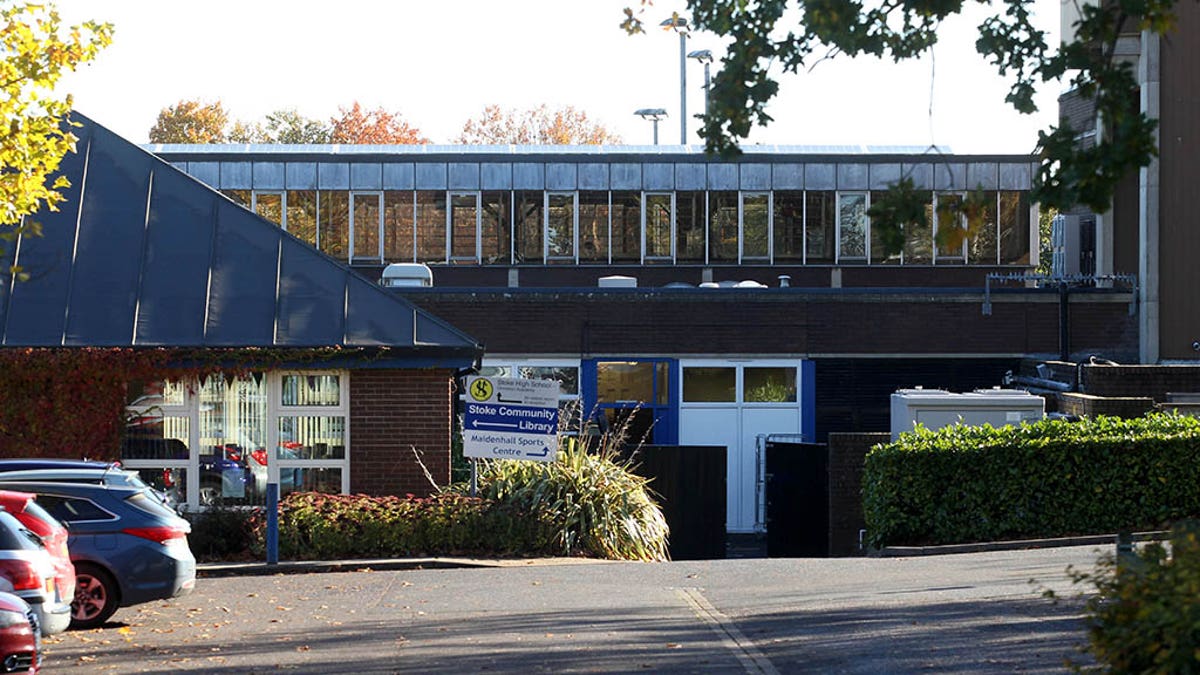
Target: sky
{"x": 439, "y": 63}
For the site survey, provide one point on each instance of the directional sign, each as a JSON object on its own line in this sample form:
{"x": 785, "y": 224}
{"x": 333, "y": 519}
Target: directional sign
{"x": 510, "y": 418}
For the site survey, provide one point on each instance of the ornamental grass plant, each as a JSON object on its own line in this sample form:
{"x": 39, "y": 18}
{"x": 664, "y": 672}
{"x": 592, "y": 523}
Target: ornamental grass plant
{"x": 590, "y": 498}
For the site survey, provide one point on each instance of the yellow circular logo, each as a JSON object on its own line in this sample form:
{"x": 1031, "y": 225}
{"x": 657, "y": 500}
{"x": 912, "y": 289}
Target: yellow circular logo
{"x": 481, "y": 389}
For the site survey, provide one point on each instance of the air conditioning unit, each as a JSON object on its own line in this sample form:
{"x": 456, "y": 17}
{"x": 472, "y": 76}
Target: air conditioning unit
{"x": 406, "y": 275}
{"x": 1073, "y": 245}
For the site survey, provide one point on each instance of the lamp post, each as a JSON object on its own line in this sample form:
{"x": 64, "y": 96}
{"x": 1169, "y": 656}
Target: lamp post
{"x": 680, "y": 25}
{"x": 654, "y": 115}
{"x": 704, "y": 56}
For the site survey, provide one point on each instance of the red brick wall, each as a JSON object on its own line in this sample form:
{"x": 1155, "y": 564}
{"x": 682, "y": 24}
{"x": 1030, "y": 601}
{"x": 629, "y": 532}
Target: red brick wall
{"x": 391, "y": 413}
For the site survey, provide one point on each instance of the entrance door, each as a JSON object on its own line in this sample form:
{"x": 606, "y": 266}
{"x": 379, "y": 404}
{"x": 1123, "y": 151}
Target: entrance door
{"x": 637, "y": 393}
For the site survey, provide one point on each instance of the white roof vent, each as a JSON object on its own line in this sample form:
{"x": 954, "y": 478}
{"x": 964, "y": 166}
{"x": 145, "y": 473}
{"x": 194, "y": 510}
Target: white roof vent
{"x": 617, "y": 281}
{"x": 406, "y": 275}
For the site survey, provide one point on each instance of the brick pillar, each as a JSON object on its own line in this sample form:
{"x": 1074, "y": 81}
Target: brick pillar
{"x": 847, "y": 454}
{"x": 393, "y": 413}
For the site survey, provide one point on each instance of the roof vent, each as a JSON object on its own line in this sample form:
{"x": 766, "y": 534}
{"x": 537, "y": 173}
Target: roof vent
{"x": 617, "y": 281}
{"x": 406, "y": 275}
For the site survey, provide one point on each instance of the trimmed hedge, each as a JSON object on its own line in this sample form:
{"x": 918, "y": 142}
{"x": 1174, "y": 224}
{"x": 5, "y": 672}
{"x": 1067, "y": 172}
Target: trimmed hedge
{"x": 1046, "y": 479}
{"x": 317, "y": 526}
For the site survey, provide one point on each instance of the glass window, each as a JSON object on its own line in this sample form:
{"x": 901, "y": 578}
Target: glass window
{"x": 948, "y": 224}
{"x": 1014, "y": 228}
{"x": 560, "y": 226}
{"x": 302, "y": 215}
{"x": 312, "y": 437}
{"x": 723, "y": 226}
{"x": 495, "y": 215}
{"x": 269, "y": 205}
{"x": 689, "y": 227}
{"x": 155, "y": 436}
{"x": 879, "y": 254}
{"x": 769, "y": 385}
{"x": 918, "y": 238}
{"x": 756, "y": 227}
{"x": 659, "y": 226}
{"x": 788, "y": 227}
{"x": 566, "y": 376}
{"x": 431, "y": 226}
{"x": 70, "y": 509}
{"x": 593, "y": 227}
{"x": 984, "y": 245}
{"x": 310, "y": 479}
{"x": 242, "y": 197}
{"x": 334, "y": 224}
{"x": 709, "y": 385}
{"x": 366, "y": 212}
{"x": 624, "y": 381}
{"x": 311, "y": 390}
{"x": 142, "y": 394}
{"x": 398, "y": 226}
{"x": 495, "y": 371}
{"x": 464, "y": 214}
{"x": 626, "y": 227}
{"x": 528, "y": 227}
{"x": 820, "y": 222}
{"x": 852, "y": 226}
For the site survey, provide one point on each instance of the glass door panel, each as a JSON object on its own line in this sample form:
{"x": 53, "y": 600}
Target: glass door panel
{"x": 756, "y": 226}
{"x": 560, "y": 226}
{"x": 660, "y": 226}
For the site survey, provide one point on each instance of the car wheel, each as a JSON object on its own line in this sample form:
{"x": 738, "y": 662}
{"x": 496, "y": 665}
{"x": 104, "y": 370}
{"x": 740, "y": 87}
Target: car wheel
{"x": 96, "y": 596}
{"x": 210, "y": 493}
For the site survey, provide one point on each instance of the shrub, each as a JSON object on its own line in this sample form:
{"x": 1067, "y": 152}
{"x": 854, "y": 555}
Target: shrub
{"x": 1145, "y": 617}
{"x": 223, "y": 533}
{"x": 593, "y": 503}
{"x": 1050, "y": 478}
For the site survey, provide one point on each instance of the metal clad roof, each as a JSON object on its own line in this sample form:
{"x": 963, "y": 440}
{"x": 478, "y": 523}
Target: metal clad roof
{"x": 140, "y": 254}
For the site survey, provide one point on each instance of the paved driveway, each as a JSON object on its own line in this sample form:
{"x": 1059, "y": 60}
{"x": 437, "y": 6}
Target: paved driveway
{"x": 958, "y": 613}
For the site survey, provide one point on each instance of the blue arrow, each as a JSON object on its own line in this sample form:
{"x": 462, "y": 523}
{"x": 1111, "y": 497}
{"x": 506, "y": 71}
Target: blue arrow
{"x": 544, "y": 453}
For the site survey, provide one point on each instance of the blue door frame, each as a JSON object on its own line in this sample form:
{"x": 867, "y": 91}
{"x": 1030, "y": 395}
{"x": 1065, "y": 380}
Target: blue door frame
{"x": 666, "y": 415}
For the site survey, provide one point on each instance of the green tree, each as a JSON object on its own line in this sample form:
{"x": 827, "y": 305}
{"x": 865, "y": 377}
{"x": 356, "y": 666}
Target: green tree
{"x": 35, "y": 50}
{"x": 191, "y": 121}
{"x": 796, "y": 34}
{"x": 285, "y": 125}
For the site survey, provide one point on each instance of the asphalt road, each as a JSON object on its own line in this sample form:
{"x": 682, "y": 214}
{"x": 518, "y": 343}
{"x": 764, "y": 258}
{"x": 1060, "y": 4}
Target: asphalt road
{"x": 968, "y": 613}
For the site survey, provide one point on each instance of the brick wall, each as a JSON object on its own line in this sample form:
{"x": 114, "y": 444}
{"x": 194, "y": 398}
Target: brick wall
{"x": 391, "y": 413}
{"x": 1115, "y": 406}
{"x": 1151, "y": 381}
{"x": 847, "y": 452}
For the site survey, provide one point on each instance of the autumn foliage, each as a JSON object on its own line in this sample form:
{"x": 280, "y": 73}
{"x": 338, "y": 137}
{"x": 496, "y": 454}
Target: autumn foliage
{"x": 192, "y": 121}
{"x": 535, "y": 126}
{"x": 373, "y": 127}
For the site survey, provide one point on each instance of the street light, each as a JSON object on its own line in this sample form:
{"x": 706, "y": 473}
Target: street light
{"x": 704, "y": 56}
{"x": 654, "y": 115}
{"x": 680, "y": 25}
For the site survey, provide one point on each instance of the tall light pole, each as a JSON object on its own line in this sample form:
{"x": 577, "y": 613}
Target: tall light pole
{"x": 704, "y": 56}
{"x": 654, "y": 115}
{"x": 680, "y": 25}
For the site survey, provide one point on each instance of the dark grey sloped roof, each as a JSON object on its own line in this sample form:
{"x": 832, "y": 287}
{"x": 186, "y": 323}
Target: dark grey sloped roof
{"x": 141, "y": 254}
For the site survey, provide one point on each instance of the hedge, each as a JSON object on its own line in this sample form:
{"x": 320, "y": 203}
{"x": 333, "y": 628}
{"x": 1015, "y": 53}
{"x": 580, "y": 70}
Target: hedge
{"x": 1046, "y": 479}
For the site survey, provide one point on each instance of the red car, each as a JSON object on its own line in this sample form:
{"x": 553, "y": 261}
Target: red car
{"x": 24, "y": 507}
{"x": 19, "y": 641}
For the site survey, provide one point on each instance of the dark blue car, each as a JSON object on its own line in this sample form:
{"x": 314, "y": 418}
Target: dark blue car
{"x": 127, "y": 547}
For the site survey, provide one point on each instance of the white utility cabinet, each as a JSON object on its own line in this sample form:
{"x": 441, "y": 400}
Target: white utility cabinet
{"x": 936, "y": 408}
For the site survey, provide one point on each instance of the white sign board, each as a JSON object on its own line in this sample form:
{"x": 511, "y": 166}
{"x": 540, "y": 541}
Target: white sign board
{"x": 511, "y": 418}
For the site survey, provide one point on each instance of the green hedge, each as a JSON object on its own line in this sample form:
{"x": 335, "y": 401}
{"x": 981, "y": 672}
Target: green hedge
{"x": 319, "y": 526}
{"x": 1051, "y": 478}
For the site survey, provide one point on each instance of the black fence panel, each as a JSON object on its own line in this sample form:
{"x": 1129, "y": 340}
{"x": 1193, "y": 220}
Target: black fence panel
{"x": 797, "y": 483}
{"x": 690, "y": 483}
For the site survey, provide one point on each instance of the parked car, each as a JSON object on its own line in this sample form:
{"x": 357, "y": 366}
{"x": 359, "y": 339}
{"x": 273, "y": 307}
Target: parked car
{"x": 127, "y": 547}
{"x": 26, "y": 564}
{"x": 111, "y": 474}
{"x": 20, "y": 637}
{"x": 24, "y": 507}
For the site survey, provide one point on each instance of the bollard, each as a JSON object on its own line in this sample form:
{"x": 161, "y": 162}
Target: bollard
{"x": 272, "y": 523}
{"x": 1125, "y": 548}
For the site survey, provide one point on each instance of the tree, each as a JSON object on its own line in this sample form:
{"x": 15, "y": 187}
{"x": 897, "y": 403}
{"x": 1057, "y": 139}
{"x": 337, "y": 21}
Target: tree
{"x": 285, "y": 125}
{"x": 535, "y": 126}
{"x": 191, "y": 122}
{"x": 34, "y": 53}
{"x": 761, "y": 36}
{"x": 372, "y": 127}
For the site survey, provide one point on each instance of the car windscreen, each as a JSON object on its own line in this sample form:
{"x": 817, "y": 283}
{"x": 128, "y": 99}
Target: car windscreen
{"x": 34, "y": 509}
{"x": 14, "y": 536}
